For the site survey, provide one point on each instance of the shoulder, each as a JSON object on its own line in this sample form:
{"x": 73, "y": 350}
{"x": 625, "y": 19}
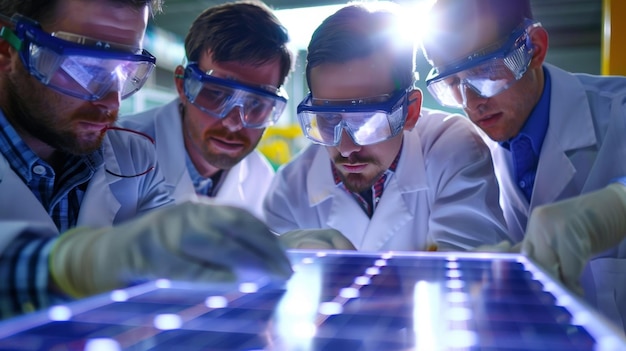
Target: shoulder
{"x": 444, "y": 134}
{"x": 302, "y": 162}
{"x": 146, "y": 121}
{"x": 258, "y": 163}
{"x": 435, "y": 124}
{"x": 608, "y": 86}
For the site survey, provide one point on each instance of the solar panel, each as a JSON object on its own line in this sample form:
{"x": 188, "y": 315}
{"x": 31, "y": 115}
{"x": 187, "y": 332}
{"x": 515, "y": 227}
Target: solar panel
{"x": 334, "y": 301}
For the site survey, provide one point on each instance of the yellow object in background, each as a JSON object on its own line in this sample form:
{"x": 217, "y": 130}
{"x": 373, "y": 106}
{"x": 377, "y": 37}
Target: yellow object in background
{"x": 280, "y": 143}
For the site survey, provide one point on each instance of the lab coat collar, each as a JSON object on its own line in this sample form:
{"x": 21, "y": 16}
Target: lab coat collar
{"x": 321, "y": 185}
{"x": 571, "y": 127}
{"x": 169, "y": 141}
{"x": 568, "y": 98}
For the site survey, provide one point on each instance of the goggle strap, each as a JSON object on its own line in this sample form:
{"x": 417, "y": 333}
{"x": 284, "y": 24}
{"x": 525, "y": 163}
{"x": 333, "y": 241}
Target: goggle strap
{"x": 8, "y": 35}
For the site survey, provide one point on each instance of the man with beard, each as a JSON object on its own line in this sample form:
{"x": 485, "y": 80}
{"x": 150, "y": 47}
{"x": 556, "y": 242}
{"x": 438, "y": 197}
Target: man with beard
{"x": 76, "y": 191}
{"x": 229, "y": 92}
{"x": 554, "y": 135}
{"x": 375, "y": 173}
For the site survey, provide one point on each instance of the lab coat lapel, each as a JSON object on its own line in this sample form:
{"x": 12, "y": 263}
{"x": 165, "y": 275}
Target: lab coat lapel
{"x": 393, "y": 211}
{"x": 19, "y": 203}
{"x": 391, "y": 214}
{"x": 170, "y": 145}
{"x": 344, "y": 213}
{"x": 564, "y": 136}
{"x": 99, "y": 206}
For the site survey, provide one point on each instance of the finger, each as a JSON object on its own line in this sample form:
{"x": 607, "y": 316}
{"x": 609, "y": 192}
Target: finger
{"x": 237, "y": 226}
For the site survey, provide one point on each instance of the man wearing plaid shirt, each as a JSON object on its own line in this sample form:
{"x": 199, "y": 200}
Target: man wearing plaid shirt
{"x": 66, "y": 169}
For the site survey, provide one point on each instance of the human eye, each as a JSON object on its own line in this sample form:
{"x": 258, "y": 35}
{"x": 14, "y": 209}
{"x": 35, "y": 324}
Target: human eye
{"x": 452, "y": 81}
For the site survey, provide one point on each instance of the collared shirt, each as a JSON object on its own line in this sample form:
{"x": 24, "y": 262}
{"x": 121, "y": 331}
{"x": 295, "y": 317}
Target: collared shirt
{"x": 368, "y": 200}
{"x": 204, "y": 186}
{"x": 24, "y": 263}
{"x": 525, "y": 147}
{"x": 61, "y": 198}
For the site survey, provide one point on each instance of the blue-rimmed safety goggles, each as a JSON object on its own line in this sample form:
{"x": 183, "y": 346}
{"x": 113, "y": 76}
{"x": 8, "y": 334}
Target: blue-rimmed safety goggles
{"x": 259, "y": 107}
{"x": 367, "y": 120}
{"x": 78, "y": 66}
{"x": 486, "y": 74}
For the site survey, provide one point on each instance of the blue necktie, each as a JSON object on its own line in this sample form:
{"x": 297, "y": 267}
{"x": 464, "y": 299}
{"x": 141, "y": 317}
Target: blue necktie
{"x": 525, "y": 163}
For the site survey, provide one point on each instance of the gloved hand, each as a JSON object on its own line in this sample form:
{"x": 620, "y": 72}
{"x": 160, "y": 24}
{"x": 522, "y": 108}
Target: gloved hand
{"x": 190, "y": 241}
{"x": 316, "y": 239}
{"x": 563, "y": 236}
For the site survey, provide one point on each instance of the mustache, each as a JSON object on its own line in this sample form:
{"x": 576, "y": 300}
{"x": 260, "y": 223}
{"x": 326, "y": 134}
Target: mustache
{"x": 353, "y": 158}
{"x": 96, "y": 115}
{"x": 223, "y": 133}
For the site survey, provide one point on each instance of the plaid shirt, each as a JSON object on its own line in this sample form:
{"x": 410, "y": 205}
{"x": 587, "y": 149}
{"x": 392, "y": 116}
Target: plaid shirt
{"x": 24, "y": 267}
{"x": 368, "y": 200}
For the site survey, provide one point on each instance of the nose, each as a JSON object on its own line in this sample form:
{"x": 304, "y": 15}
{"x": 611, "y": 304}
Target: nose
{"x": 109, "y": 102}
{"x": 233, "y": 119}
{"x": 346, "y": 145}
{"x": 472, "y": 101}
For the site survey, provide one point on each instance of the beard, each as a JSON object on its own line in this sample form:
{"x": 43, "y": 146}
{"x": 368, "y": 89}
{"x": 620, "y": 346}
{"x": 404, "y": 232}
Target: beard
{"x": 217, "y": 158}
{"x": 358, "y": 182}
{"x": 34, "y": 109}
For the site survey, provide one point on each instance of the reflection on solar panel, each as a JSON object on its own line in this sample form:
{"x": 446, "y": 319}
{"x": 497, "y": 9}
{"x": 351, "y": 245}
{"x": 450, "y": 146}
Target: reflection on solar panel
{"x": 334, "y": 301}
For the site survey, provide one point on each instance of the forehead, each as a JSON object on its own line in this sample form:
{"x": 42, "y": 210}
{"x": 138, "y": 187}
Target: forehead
{"x": 264, "y": 74}
{"x": 363, "y": 77}
{"x": 455, "y": 41}
{"x": 102, "y": 19}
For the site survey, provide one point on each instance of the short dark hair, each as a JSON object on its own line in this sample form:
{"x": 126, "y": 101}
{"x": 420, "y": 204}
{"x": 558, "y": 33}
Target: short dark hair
{"x": 355, "y": 32}
{"x": 447, "y": 17}
{"x": 243, "y": 31}
{"x": 42, "y": 10}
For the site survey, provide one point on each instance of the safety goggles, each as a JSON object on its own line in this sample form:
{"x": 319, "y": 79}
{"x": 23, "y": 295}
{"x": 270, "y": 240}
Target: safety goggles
{"x": 367, "y": 120}
{"x": 78, "y": 66}
{"x": 486, "y": 74}
{"x": 259, "y": 107}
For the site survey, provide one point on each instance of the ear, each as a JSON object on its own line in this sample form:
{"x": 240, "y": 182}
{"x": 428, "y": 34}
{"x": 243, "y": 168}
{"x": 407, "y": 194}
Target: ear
{"x": 179, "y": 74}
{"x": 415, "y": 108}
{"x": 539, "y": 38}
{"x": 6, "y": 53}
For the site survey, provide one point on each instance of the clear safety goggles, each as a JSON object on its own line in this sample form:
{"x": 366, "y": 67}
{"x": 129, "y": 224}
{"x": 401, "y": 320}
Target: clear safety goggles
{"x": 259, "y": 107}
{"x": 367, "y": 120}
{"x": 78, "y": 66}
{"x": 486, "y": 74}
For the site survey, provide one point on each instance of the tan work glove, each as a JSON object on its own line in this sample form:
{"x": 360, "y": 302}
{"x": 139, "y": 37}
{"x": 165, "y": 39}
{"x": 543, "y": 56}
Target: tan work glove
{"x": 190, "y": 241}
{"x": 316, "y": 239}
{"x": 563, "y": 236}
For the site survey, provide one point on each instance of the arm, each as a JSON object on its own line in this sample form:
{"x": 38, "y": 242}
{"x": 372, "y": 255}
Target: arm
{"x": 24, "y": 249}
{"x": 465, "y": 208}
{"x": 190, "y": 241}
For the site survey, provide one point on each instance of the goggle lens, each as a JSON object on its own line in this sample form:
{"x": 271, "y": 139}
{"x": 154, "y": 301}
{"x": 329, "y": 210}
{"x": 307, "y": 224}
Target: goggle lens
{"x": 86, "y": 77}
{"x": 366, "y": 125}
{"x": 258, "y": 108}
{"x": 78, "y": 66}
{"x": 487, "y": 76}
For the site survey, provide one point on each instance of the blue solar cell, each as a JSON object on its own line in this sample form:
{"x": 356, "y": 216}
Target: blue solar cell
{"x": 336, "y": 301}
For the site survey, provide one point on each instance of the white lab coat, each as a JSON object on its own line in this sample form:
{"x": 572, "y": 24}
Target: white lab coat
{"x": 108, "y": 199}
{"x": 584, "y": 149}
{"x": 443, "y": 192}
{"x": 245, "y": 184}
